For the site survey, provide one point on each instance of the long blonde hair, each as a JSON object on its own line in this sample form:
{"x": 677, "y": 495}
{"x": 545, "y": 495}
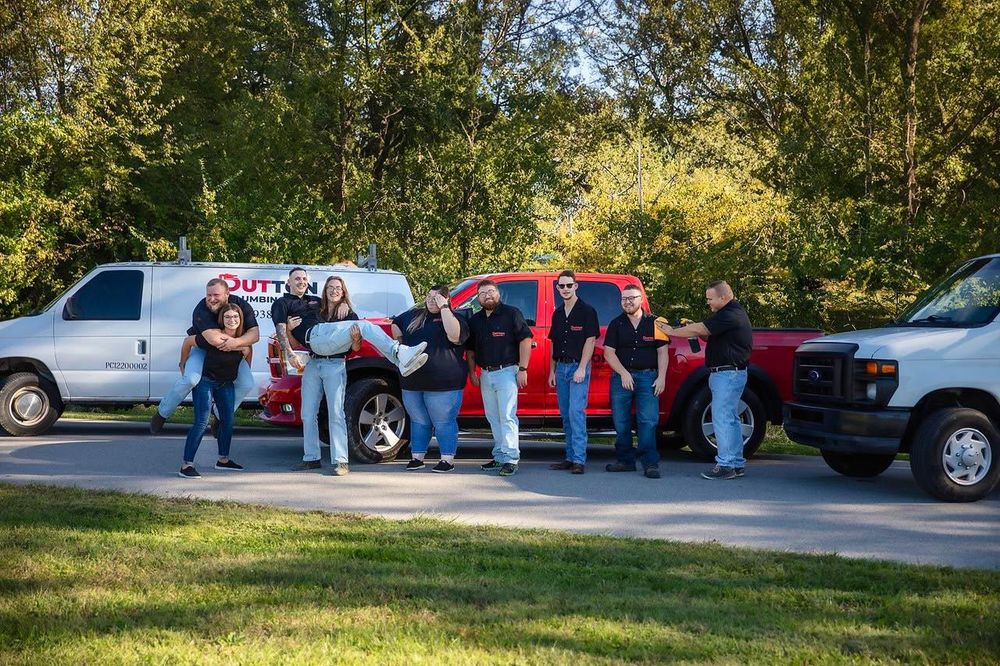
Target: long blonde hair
{"x": 421, "y": 316}
{"x": 327, "y": 307}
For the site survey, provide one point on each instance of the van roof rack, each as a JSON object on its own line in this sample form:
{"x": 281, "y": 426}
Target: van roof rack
{"x": 183, "y": 251}
{"x": 371, "y": 261}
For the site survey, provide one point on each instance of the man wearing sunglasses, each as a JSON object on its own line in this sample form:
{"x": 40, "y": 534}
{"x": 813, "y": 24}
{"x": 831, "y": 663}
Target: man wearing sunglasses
{"x": 573, "y": 334}
{"x": 640, "y": 364}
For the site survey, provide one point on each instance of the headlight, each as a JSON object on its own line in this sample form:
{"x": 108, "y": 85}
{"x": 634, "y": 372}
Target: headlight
{"x": 875, "y": 381}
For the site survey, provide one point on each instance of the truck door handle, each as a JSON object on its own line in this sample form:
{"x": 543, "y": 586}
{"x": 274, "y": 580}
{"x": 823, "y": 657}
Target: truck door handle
{"x": 140, "y": 347}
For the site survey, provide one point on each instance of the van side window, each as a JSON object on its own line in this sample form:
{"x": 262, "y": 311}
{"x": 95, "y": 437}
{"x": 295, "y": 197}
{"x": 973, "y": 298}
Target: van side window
{"x": 522, "y": 294}
{"x": 604, "y": 297}
{"x": 108, "y": 296}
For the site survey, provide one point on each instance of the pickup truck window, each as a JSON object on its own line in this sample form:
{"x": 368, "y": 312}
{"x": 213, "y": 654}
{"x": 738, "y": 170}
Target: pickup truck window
{"x": 968, "y": 297}
{"x": 108, "y": 296}
{"x": 522, "y": 294}
{"x": 605, "y": 297}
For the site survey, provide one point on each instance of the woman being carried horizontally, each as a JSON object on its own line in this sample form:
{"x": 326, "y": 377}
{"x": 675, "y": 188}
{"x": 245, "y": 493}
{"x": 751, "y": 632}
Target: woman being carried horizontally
{"x": 217, "y": 383}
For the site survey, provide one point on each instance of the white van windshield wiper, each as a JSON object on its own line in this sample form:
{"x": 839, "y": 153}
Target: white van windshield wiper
{"x": 930, "y": 319}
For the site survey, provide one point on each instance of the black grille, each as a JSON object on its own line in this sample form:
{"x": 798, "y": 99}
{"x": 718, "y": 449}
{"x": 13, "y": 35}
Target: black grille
{"x": 822, "y": 371}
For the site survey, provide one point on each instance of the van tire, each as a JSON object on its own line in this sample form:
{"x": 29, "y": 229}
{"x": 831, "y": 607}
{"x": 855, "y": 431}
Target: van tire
{"x": 29, "y": 404}
{"x": 368, "y": 402}
{"x": 933, "y": 455}
{"x": 858, "y": 465}
{"x": 698, "y": 411}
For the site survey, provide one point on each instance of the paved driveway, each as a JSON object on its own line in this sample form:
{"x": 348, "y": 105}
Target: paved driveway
{"x": 790, "y": 503}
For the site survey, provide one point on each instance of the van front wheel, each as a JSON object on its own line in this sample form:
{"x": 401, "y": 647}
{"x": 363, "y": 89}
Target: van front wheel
{"x": 377, "y": 423}
{"x": 953, "y": 455}
{"x": 29, "y": 405}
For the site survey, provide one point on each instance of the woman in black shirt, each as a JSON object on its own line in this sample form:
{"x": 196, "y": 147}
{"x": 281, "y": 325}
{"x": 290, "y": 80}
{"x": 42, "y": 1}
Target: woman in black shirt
{"x": 433, "y": 394}
{"x": 217, "y": 382}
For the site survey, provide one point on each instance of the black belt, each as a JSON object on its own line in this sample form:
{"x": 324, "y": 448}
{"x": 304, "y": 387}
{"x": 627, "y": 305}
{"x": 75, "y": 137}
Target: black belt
{"x": 494, "y": 368}
{"x": 321, "y": 357}
{"x": 726, "y": 368}
{"x": 566, "y": 359}
{"x": 640, "y": 369}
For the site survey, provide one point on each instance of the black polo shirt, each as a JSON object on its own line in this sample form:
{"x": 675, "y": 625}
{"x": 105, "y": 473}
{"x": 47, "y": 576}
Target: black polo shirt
{"x": 569, "y": 335}
{"x": 495, "y": 338}
{"x": 634, "y": 347}
{"x": 312, "y": 316}
{"x": 731, "y": 339}
{"x": 293, "y": 306}
{"x": 203, "y": 319}
{"x": 220, "y": 366}
{"x": 445, "y": 369}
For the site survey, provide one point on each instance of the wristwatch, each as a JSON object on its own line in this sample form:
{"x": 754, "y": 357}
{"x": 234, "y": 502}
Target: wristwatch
{"x": 521, "y": 368}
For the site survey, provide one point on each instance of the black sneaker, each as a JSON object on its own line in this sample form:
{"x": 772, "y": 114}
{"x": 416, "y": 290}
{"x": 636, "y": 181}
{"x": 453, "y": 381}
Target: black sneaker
{"x": 508, "y": 469}
{"x": 719, "y": 473}
{"x": 444, "y": 466}
{"x": 652, "y": 472}
{"x": 740, "y": 472}
{"x": 156, "y": 423}
{"x": 619, "y": 467}
{"x": 189, "y": 472}
{"x": 414, "y": 465}
{"x": 229, "y": 464}
{"x": 491, "y": 466}
{"x": 307, "y": 464}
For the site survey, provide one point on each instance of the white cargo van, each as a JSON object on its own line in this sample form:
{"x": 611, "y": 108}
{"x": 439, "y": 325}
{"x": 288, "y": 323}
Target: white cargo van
{"x": 114, "y": 337}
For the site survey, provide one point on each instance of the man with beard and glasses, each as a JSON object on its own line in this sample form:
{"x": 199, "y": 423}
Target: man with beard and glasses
{"x": 639, "y": 361}
{"x": 573, "y": 334}
{"x": 500, "y": 344}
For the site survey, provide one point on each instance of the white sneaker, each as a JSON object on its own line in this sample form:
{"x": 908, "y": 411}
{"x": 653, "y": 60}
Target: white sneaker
{"x": 414, "y": 365}
{"x": 406, "y": 355}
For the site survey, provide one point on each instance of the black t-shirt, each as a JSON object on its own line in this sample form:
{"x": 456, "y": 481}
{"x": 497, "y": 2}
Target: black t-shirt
{"x": 731, "y": 339}
{"x": 294, "y": 306}
{"x": 220, "y": 366}
{"x": 635, "y": 347}
{"x": 203, "y": 319}
{"x": 312, "y": 316}
{"x": 446, "y": 369}
{"x": 495, "y": 338}
{"x": 568, "y": 336}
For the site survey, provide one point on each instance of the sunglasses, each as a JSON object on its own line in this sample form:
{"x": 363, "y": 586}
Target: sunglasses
{"x": 566, "y": 286}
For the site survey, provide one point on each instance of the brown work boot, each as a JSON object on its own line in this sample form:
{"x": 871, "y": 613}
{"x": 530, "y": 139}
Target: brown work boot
{"x": 577, "y": 468}
{"x": 565, "y": 464}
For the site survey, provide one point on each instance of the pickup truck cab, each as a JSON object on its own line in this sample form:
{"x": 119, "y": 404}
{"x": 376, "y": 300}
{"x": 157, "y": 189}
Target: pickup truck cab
{"x": 114, "y": 337}
{"x": 685, "y": 405}
{"x": 927, "y": 384}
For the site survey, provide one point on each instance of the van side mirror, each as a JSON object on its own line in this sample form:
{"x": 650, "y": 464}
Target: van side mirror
{"x": 69, "y": 310}
{"x": 695, "y": 345}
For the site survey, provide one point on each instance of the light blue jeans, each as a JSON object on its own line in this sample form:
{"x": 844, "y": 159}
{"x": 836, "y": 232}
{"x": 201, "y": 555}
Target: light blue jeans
{"x": 573, "y": 410}
{"x": 192, "y": 375}
{"x": 324, "y": 375}
{"x": 433, "y": 411}
{"x": 499, "y": 389}
{"x": 334, "y": 337}
{"x": 727, "y": 389}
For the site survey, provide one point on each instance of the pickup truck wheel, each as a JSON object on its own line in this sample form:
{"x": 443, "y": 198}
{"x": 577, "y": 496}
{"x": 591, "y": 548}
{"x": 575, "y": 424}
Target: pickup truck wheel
{"x": 858, "y": 465}
{"x": 953, "y": 455}
{"x": 700, "y": 433}
{"x": 29, "y": 405}
{"x": 377, "y": 423}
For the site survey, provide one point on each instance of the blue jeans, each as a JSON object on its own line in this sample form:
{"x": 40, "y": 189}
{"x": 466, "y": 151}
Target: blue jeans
{"x": 572, "y": 409}
{"x": 727, "y": 389}
{"x": 647, "y": 413}
{"x": 334, "y": 337}
{"x": 499, "y": 389}
{"x": 192, "y": 375}
{"x": 324, "y": 375}
{"x": 224, "y": 394}
{"x": 435, "y": 411}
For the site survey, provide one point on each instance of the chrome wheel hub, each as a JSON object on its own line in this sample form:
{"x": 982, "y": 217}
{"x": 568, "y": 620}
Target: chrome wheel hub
{"x": 382, "y": 422}
{"x": 967, "y": 456}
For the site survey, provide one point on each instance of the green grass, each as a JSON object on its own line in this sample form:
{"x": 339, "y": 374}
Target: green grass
{"x": 101, "y": 577}
{"x": 182, "y": 414}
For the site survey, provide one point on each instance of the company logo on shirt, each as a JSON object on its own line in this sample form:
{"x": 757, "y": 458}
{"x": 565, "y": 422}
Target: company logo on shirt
{"x": 576, "y": 328}
{"x": 648, "y": 338}
{"x": 499, "y": 334}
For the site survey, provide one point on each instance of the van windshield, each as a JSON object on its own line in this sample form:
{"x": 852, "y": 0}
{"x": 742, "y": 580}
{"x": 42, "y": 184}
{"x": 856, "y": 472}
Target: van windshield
{"x": 968, "y": 297}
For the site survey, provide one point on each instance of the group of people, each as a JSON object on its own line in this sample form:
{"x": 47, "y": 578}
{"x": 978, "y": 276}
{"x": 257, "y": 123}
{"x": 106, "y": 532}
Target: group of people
{"x": 437, "y": 351}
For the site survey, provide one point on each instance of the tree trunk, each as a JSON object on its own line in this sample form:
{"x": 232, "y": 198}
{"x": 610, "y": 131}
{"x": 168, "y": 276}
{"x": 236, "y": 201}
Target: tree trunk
{"x": 908, "y": 67}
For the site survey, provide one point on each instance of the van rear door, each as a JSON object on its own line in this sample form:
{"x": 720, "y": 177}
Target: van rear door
{"x": 101, "y": 332}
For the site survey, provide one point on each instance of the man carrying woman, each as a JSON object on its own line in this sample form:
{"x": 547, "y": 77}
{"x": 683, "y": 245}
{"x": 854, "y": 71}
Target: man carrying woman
{"x": 433, "y": 395}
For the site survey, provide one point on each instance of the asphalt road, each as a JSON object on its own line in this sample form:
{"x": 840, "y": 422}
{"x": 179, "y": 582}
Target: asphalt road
{"x": 792, "y": 503}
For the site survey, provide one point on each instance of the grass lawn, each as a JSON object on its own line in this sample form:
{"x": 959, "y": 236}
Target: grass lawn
{"x": 100, "y": 577}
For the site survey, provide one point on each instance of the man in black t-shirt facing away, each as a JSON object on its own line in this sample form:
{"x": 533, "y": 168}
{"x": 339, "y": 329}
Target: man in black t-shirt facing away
{"x": 730, "y": 341}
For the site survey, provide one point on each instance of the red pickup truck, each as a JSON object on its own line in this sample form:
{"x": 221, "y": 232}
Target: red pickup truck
{"x": 377, "y": 422}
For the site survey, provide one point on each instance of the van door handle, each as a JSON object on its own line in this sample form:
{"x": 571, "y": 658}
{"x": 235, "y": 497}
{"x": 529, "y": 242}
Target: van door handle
{"x": 140, "y": 347}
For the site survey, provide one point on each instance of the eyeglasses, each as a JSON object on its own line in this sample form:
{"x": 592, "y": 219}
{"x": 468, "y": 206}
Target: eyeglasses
{"x": 566, "y": 286}
{"x": 628, "y": 299}
{"x": 335, "y": 288}
{"x": 234, "y": 317}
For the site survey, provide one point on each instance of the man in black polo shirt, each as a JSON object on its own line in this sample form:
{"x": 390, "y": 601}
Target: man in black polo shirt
{"x": 640, "y": 364}
{"x": 293, "y": 305}
{"x": 499, "y": 343}
{"x": 730, "y": 340}
{"x": 573, "y": 334}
